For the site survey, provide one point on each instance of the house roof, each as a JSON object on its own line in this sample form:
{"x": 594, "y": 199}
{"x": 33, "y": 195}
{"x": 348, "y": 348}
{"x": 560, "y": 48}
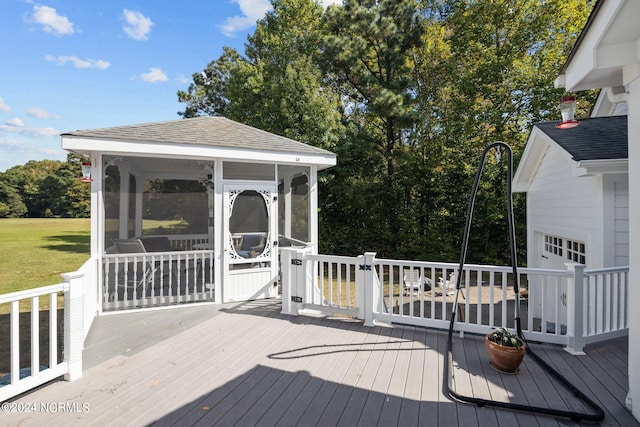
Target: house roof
{"x": 208, "y": 131}
{"x": 598, "y": 145}
{"x": 595, "y": 138}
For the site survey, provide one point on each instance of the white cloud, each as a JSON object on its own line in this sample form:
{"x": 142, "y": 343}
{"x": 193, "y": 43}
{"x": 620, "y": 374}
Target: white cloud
{"x": 15, "y": 125}
{"x": 252, "y": 10}
{"x": 137, "y": 25}
{"x": 154, "y": 75}
{"x": 15, "y": 122}
{"x": 4, "y": 107}
{"x": 327, "y": 3}
{"x": 40, "y": 113}
{"x": 52, "y": 22}
{"x": 77, "y": 62}
{"x": 182, "y": 79}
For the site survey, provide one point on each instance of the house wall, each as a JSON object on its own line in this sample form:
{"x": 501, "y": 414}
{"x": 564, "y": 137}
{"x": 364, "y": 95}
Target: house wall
{"x": 616, "y": 220}
{"x": 566, "y": 206}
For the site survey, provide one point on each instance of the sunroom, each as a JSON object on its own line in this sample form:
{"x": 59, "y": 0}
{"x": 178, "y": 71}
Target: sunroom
{"x": 195, "y": 210}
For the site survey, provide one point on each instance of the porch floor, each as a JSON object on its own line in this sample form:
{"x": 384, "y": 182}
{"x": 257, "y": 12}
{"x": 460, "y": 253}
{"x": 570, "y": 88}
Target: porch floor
{"x": 247, "y": 364}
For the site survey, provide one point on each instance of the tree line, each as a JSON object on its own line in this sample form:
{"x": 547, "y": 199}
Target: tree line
{"x": 407, "y": 94}
{"x": 44, "y": 189}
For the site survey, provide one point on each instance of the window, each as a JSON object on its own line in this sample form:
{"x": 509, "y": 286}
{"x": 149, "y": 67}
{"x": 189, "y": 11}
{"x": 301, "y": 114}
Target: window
{"x": 576, "y": 251}
{"x": 572, "y": 250}
{"x": 553, "y": 245}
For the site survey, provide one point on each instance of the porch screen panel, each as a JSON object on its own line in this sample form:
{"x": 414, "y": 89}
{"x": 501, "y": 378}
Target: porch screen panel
{"x": 112, "y": 201}
{"x": 248, "y": 171}
{"x": 174, "y": 207}
{"x": 293, "y": 202}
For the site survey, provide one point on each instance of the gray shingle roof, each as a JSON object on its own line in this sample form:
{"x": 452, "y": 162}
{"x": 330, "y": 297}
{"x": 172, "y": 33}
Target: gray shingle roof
{"x": 595, "y": 138}
{"x": 212, "y": 131}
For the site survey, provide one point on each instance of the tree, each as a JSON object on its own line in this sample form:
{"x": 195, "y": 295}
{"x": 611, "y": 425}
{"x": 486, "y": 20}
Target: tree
{"x": 490, "y": 80}
{"x": 370, "y": 50}
{"x": 43, "y": 189}
{"x": 407, "y": 94}
{"x": 279, "y": 87}
{"x": 207, "y": 94}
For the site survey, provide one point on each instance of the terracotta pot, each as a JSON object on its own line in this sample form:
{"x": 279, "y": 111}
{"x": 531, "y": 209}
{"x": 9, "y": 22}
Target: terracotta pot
{"x": 503, "y": 358}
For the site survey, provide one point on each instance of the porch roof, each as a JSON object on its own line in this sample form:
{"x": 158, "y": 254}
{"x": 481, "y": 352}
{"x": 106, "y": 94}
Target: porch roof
{"x": 199, "y": 136}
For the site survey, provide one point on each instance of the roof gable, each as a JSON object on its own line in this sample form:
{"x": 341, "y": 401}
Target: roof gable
{"x": 596, "y": 145}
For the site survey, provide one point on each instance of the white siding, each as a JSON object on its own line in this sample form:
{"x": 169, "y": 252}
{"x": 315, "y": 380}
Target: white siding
{"x": 249, "y": 284}
{"x": 566, "y": 206}
{"x": 621, "y": 206}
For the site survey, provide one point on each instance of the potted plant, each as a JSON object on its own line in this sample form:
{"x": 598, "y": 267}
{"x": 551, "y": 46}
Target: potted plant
{"x": 505, "y": 350}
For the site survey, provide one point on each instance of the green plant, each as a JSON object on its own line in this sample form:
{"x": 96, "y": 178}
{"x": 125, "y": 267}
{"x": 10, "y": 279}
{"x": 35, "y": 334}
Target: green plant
{"x": 502, "y": 336}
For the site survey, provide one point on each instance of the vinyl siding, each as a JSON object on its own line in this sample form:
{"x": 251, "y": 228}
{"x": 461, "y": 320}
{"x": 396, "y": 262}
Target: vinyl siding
{"x": 567, "y": 206}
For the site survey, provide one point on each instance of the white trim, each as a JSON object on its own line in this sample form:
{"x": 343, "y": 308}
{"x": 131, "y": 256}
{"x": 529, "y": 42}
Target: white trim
{"x": 604, "y": 166}
{"x": 608, "y": 52}
{"x": 187, "y": 151}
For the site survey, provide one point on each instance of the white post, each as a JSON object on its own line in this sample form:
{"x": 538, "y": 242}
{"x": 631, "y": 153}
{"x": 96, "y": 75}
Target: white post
{"x": 631, "y": 78}
{"x": 73, "y": 325}
{"x": 287, "y": 204}
{"x": 294, "y": 280}
{"x": 370, "y": 291}
{"x": 360, "y": 288}
{"x": 286, "y": 280}
{"x": 138, "y": 206}
{"x": 575, "y": 309}
{"x": 123, "y": 216}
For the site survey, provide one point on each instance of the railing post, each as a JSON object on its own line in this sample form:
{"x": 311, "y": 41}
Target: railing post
{"x": 286, "y": 280}
{"x": 575, "y": 309}
{"x": 293, "y": 279}
{"x": 370, "y": 291}
{"x": 360, "y": 288}
{"x": 73, "y": 325}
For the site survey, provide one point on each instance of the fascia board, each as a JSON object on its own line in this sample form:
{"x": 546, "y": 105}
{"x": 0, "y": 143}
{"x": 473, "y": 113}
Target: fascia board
{"x": 606, "y": 166}
{"x": 534, "y": 151}
{"x": 136, "y": 148}
{"x": 585, "y": 61}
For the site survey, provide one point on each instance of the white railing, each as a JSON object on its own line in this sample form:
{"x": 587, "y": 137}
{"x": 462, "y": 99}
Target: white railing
{"x": 324, "y": 283}
{"x": 188, "y": 242}
{"x": 606, "y": 303}
{"x": 156, "y": 278}
{"x": 422, "y": 294}
{"x": 24, "y": 376}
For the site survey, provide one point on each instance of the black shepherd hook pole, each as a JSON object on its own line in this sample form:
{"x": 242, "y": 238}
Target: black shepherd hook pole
{"x": 598, "y": 414}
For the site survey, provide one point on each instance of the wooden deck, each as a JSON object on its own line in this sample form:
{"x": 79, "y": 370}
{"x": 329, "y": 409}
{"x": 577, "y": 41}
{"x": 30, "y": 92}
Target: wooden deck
{"x": 250, "y": 365}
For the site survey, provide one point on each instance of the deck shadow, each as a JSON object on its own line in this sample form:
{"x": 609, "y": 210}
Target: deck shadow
{"x": 268, "y": 396}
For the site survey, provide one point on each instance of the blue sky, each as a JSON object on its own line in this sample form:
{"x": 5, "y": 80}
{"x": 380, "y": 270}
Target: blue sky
{"x": 84, "y": 64}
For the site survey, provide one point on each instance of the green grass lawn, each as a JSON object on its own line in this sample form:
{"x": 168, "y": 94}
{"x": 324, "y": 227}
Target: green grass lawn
{"x": 35, "y": 251}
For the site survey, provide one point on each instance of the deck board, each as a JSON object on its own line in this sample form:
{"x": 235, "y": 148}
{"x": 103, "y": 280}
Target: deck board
{"x": 251, "y": 365}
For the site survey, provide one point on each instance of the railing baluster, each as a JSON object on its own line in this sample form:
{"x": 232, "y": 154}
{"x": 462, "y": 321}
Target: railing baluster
{"x": 53, "y": 330}
{"x": 14, "y": 324}
{"x": 35, "y": 335}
